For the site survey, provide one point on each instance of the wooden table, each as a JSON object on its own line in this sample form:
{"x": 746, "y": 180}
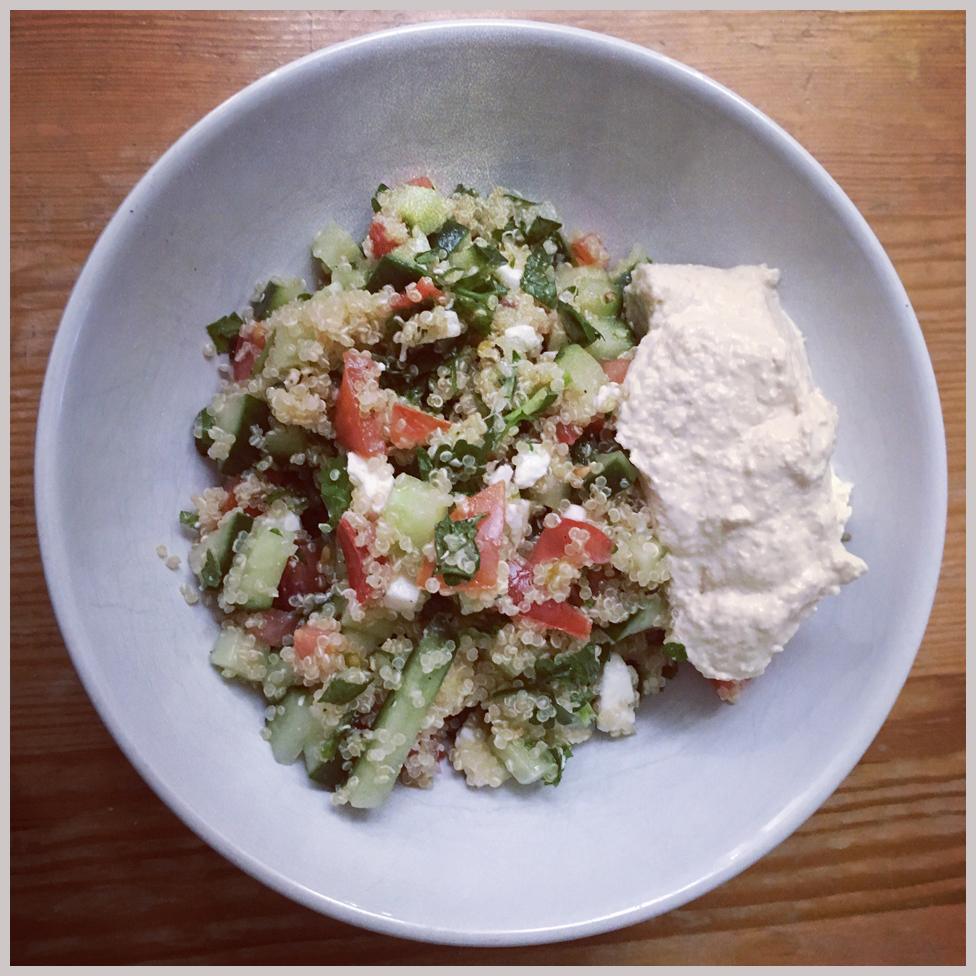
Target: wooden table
{"x": 102, "y": 872}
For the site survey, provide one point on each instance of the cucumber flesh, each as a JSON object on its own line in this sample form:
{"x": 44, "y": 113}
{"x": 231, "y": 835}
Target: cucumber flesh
{"x": 322, "y": 760}
{"x": 214, "y": 553}
{"x": 581, "y": 370}
{"x": 652, "y": 617}
{"x": 238, "y": 654}
{"x": 527, "y": 764}
{"x": 276, "y": 293}
{"x": 414, "y": 508}
{"x": 401, "y": 717}
{"x": 293, "y": 726}
{"x": 236, "y": 416}
{"x": 614, "y": 338}
{"x": 283, "y": 442}
{"x": 335, "y": 248}
{"x": 417, "y": 206}
{"x": 252, "y": 581}
{"x": 617, "y": 469}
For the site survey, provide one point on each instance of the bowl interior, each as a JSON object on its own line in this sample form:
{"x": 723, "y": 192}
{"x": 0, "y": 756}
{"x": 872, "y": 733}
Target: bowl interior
{"x": 624, "y": 143}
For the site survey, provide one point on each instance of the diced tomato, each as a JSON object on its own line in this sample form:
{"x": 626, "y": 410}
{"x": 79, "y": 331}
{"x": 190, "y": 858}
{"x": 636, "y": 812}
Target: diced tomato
{"x": 421, "y": 181}
{"x": 553, "y": 542}
{"x": 489, "y": 502}
{"x": 245, "y": 352}
{"x": 428, "y": 291}
{"x": 306, "y": 640}
{"x": 568, "y": 433}
{"x": 616, "y": 369}
{"x": 383, "y": 241}
{"x": 301, "y": 575}
{"x": 271, "y": 626}
{"x": 356, "y": 431}
{"x": 589, "y": 249}
{"x": 549, "y": 613}
{"x": 355, "y": 559}
{"x": 411, "y": 428}
{"x": 728, "y": 691}
{"x": 425, "y": 572}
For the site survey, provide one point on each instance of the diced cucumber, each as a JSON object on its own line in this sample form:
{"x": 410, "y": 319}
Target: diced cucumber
{"x": 252, "y": 581}
{"x": 279, "y": 678}
{"x": 365, "y": 636}
{"x": 282, "y": 349}
{"x": 235, "y": 416}
{"x": 283, "y": 442}
{"x": 654, "y": 616}
{"x": 614, "y": 338}
{"x": 414, "y": 508}
{"x": 335, "y": 248}
{"x": 293, "y": 726}
{"x": 394, "y": 271}
{"x": 277, "y": 292}
{"x": 550, "y": 491}
{"x": 537, "y": 403}
{"x": 527, "y": 763}
{"x": 582, "y": 371}
{"x": 239, "y": 654}
{"x": 417, "y": 206}
{"x": 401, "y": 718}
{"x": 593, "y": 292}
{"x": 215, "y": 551}
{"x": 322, "y": 760}
{"x": 349, "y": 279}
{"x": 617, "y": 469}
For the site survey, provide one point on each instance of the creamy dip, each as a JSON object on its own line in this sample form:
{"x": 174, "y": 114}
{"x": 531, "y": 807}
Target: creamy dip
{"x": 721, "y": 415}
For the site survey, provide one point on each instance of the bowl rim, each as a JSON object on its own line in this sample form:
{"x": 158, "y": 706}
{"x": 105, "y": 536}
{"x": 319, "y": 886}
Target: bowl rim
{"x": 885, "y": 692}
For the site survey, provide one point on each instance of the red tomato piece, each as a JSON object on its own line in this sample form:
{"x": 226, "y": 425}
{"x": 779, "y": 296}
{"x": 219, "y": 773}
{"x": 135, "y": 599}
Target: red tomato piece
{"x": 271, "y": 626}
{"x": 553, "y": 542}
{"x": 589, "y": 249}
{"x": 616, "y": 369}
{"x": 245, "y": 352}
{"x": 549, "y": 613}
{"x": 383, "y": 241}
{"x": 568, "y": 433}
{"x": 728, "y": 691}
{"x": 421, "y": 181}
{"x": 306, "y": 640}
{"x": 425, "y": 288}
{"x": 355, "y": 557}
{"x": 410, "y": 427}
{"x": 301, "y": 575}
{"x": 357, "y": 431}
{"x": 489, "y": 502}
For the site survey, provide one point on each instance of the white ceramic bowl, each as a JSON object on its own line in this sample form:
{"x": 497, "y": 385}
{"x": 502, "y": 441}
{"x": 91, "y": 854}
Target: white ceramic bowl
{"x": 625, "y": 142}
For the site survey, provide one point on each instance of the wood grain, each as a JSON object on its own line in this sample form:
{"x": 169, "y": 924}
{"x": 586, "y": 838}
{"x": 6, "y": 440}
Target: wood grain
{"x": 102, "y": 872}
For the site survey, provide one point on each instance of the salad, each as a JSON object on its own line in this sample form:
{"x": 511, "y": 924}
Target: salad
{"x": 425, "y": 542}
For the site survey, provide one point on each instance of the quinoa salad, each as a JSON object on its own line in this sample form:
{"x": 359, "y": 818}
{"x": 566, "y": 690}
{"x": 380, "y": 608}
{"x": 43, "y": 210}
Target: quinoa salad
{"x": 425, "y": 545}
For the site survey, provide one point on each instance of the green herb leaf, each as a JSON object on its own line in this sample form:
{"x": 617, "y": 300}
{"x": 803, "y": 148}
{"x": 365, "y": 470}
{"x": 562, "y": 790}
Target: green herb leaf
{"x": 204, "y": 420}
{"x": 575, "y": 324}
{"x": 675, "y": 651}
{"x": 490, "y": 256}
{"x": 448, "y": 237}
{"x": 515, "y": 198}
{"x": 450, "y": 458}
{"x": 335, "y": 488}
{"x": 541, "y": 400}
{"x": 224, "y": 331}
{"x": 189, "y": 518}
{"x": 542, "y": 227}
{"x": 581, "y": 667}
{"x": 458, "y": 558}
{"x": 374, "y": 201}
{"x": 424, "y": 464}
{"x": 538, "y": 278}
{"x": 466, "y": 190}
{"x": 561, "y": 754}
{"x": 210, "y": 574}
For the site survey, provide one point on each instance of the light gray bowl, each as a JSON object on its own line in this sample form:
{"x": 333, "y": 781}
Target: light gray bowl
{"x": 627, "y": 143}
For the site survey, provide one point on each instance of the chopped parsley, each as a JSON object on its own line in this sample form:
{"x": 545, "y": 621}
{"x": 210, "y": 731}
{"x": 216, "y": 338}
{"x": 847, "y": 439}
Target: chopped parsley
{"x": 455, "y": 545}
{"x": 189, "y": 518}
{"x": 335, "y": 488}
{"x": 538, "y": 278}
{"x": 224, "y": 331}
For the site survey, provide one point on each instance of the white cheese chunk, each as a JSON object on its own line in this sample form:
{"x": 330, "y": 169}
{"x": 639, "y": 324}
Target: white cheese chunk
{"x": 617, "y": 699}
{"x": 372, "y": 480}
{"x": 531, "y": 466}
{"x": 402, "y": 595}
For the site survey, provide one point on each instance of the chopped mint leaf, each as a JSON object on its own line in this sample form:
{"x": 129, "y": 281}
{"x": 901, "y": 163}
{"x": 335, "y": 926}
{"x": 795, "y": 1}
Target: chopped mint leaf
{"x": 458, "y": 558}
